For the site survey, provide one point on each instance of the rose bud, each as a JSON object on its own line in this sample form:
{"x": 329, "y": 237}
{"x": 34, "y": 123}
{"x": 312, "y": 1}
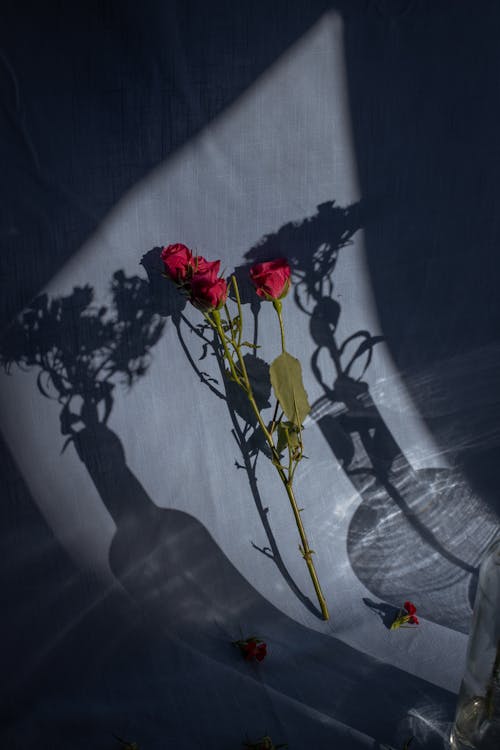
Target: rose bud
{"x": 179, "y": 262}
{"x": 206, "y": 267}
{"x": 406, "y": 615}
{"x": 411, "y": 610}
{"x": 252, "y": 648}
{"x": 207, "y": 292}
{"x": 271, "y": 278}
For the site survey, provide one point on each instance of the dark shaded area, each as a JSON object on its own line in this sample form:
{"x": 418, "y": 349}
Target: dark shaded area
{"x": 424, "y": 95}
{"x": 95, "y": 94}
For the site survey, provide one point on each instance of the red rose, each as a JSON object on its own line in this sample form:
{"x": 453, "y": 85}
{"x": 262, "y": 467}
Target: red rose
{"x": 179, "y": 262}
{"x": 252, "y": 648}
{"x": 207, "y": 292}
{"x": 206, "y": 267}
{"x": 271, "y": 279}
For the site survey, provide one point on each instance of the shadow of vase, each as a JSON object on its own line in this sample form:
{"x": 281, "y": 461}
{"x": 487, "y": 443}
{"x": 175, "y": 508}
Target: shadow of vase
{"x": 164, "y": 558}
{"x": 419, "y": 535}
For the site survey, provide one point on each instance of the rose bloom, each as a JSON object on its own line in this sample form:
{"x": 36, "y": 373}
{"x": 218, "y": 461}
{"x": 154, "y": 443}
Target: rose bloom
{"x": 271, "y": 278}
{"x": 179, "y": 262}
{"x": 206, "y": 267}
{"x": 207, "y": 292}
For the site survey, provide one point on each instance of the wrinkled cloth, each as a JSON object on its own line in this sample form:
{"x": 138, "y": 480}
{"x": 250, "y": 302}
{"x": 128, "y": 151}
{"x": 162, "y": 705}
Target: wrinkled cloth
{"x": 145, "y": 529}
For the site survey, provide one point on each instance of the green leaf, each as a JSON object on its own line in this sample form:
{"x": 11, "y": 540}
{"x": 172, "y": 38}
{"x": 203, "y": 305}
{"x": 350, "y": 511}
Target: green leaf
{"x": 288, "y": 434}
{"x": 293, "y": 435}
{"x": 286, "y": 379}
{"x": 282, "y": 438}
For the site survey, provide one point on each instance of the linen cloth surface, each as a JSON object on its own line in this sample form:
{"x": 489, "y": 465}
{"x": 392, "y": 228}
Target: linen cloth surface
{"x": 145, "y": 529}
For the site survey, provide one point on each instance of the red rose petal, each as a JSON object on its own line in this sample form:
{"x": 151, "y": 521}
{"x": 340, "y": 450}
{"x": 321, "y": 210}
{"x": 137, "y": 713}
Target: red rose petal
{"x": 271, "y": 278}
{"x": 178, "y": 261}
{"x": 410, "y": 608}
{"x": 207, "y": 292}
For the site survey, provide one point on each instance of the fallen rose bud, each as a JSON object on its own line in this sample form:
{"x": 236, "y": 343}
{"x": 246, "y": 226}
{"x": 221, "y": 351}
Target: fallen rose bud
{"x": 405, "y": 616}
{"x": 252, "y": 648}
{"x": 271, "y": 278}
{"x": 411, "y": 609}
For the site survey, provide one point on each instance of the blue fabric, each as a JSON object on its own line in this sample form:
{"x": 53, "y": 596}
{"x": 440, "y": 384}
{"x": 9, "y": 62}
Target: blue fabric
{"x": 144, "y": 527}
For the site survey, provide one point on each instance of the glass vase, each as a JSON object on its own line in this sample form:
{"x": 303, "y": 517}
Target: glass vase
{"x": 477, "y": 721}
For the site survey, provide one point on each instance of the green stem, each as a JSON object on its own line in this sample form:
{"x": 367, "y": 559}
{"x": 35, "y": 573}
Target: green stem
{"x": 306, "y": 551}
{"x": 228, "y": 317}
{"x": 275, "y": 415}
{"x": 244, "y": 382}
{"x": 292, "y": 472}
{"x": 278, "y": 307}
{"x": 240, "y": 313}
{"x": 216, "y": 324}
